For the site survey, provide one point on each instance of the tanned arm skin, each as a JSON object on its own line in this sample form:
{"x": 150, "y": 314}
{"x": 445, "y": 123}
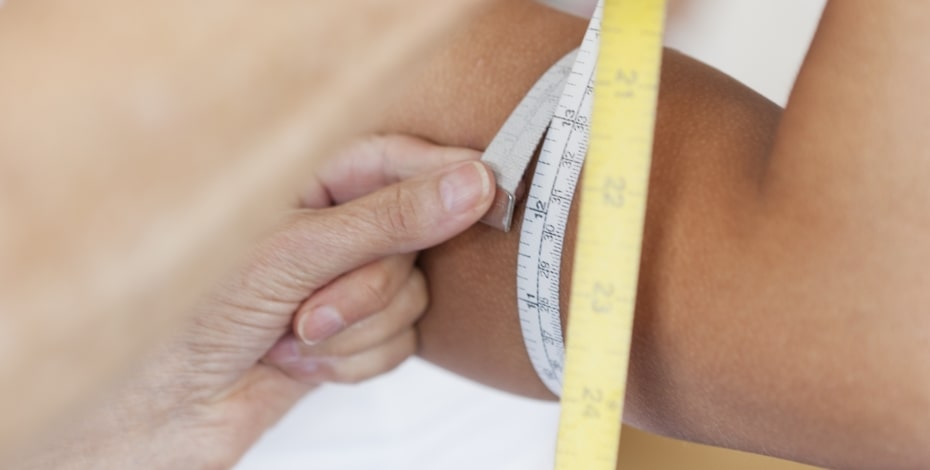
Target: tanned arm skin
{"x": 783, "y": 304}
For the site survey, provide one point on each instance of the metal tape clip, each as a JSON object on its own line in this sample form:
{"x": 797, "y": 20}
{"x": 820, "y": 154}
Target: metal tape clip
{"x": 510, "y": 152}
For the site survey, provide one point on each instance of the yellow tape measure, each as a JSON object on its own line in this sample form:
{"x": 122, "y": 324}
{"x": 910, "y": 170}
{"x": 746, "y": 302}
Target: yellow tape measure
{"x": 609, "y": 244}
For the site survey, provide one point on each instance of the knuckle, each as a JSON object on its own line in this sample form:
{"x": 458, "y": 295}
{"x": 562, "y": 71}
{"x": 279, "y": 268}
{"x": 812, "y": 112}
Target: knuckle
{"x": 274, "y": 269}
{"x": 400, "y": 214}
{"x": 375, "y": 289}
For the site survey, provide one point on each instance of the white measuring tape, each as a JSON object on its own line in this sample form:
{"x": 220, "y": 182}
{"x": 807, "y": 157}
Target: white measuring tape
{"x": 590, "y": 374}
{"x": 513, "y": 146}
{"x": 550, "y": 195}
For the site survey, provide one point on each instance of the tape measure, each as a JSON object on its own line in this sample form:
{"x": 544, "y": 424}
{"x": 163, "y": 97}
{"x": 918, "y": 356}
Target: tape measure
{"x": 512, "y": 148}
{"x": 562, "y": 101}
{"x": 610, "y": 232}
{"x": 613, "y": 85}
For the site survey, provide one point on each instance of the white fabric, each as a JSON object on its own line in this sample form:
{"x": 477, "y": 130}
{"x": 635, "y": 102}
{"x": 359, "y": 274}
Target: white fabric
{"x": 418, "y": 417}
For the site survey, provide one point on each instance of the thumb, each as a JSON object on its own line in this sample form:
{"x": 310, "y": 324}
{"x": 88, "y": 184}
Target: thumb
{"x": 374, "y": 162}
{"x": 405, "y": 217}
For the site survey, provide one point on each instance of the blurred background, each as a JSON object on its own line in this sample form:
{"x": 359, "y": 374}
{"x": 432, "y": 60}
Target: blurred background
{"x": 420, "y": 417}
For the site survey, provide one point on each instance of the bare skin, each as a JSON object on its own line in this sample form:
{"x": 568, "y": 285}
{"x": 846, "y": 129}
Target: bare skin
{"x": 782, "y": 303}
{"x": 784, "y": 286}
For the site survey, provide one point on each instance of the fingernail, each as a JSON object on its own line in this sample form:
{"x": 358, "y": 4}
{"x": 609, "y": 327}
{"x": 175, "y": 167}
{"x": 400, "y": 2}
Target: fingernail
{"x": 464, "y": 186}
{"x": 320, "y": 324}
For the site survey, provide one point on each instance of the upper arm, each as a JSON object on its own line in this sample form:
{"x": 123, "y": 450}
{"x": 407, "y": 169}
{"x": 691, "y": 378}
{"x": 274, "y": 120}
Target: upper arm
{"x": 712, "y": 135}
{"x": 744, "y": 333}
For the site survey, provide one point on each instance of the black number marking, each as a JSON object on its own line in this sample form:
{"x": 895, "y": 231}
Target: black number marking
{"x": 548, "y": 232}
{"x": 581, "y": 123}
{"x": 545, "y": 270}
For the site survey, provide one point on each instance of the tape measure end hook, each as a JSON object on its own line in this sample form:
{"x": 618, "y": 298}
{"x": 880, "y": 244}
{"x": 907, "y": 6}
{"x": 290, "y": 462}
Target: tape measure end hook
{"x": 500, "y": 215}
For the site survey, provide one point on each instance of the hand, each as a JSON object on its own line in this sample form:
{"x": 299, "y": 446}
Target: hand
{"x": 374, "y": 303}
{"x": 205, "y": 397}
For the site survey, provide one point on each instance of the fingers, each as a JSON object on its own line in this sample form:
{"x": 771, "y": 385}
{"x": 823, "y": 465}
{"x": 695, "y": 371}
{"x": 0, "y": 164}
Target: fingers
{"x": 354, "y": 368}
{"x": 352, "y": 297}
{"x": 371, "y": 333}
{"x": 316, "y": 246}
{"x": 404, "y": 310}
{"x": 375, "y": 162}
{"x": 421, "y": 212}
{"x": 402, "y": 218}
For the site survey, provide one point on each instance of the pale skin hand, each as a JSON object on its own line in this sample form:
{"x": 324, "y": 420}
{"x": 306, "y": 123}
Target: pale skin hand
{"x": 207, "y": 395}
{"x": 378, "y": 295}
